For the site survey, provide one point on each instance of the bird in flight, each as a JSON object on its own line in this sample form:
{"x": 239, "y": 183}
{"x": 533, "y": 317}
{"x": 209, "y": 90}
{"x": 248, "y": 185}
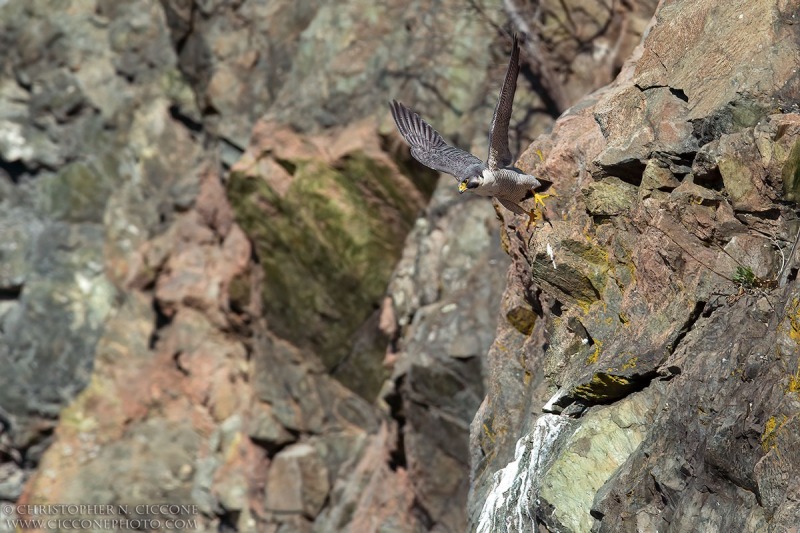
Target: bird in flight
{"x": 496, "y": 177}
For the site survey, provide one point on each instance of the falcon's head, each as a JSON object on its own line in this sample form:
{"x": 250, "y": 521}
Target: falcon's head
{"x": 470, "y": 183}
{"x": 473, "y": 180}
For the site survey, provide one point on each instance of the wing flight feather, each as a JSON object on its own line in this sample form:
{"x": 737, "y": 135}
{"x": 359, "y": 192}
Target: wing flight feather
{"x": 427, "y": 145}
{"x": 499, "y": 153}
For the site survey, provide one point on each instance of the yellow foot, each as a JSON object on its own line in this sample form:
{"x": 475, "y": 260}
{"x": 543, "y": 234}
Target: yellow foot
{"x": 538, "y": 199}
{"x": 536, "y": 214}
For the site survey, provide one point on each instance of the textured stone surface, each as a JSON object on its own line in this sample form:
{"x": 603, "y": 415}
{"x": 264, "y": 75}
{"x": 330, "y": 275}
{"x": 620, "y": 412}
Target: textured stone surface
{"x": 515, "y": 488}
{"x": 664, "y": 280}
{"x": 603, "y": 441}
{"x": 609, "y": 196}
{"x": 297, "y": 481}
{"x": 327, "y": 221}
{"x": 444, "y": 294}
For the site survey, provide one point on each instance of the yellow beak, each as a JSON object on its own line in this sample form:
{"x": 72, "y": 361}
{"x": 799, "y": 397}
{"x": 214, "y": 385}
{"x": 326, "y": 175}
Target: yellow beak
{"x": 462, "y": 186}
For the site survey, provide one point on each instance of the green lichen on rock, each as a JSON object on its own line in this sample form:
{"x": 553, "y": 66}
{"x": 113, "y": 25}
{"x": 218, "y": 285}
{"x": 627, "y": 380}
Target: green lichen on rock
{"x": 177, "y": 89}
{"x": 603, "y": 387}
{"x": 630, "y": 363}
{"x": 327, "y": 248}
{"x": 581, "y": 271}
{"x": 746, "y": 113}
{"x": 737, "y": 177}
{"x": 588, "y": 252}
{"x": 595, "y": 355}
{"x": 590, "y": 456}
{"x": 793, "y": 386}
{"x": 79, "y": 192}
{"x": 575, "y": 285}
{"x": 791, "y": 323}
{"x": 522, "y": 319}
{"x": 239, "y": 291}
{"x": 771, "y": 428}
{"x": 657, "y": 176}
{"x": 790, "y": 174}
{"x": 610, "y": 196}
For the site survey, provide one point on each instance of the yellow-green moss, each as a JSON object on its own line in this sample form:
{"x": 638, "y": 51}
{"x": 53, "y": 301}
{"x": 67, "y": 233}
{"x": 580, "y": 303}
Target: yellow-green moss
{"x": 488, "y": 433}
{"x": 794, "y": 321}
{"x": 522, "y": 318}
{"x": 593, "y": 358}
{"x": 770, "y": 433}
{"x": 603, "y": 387}
{"x": 794, "y": 383}
{"x": 790, "y": 174}
{"x": 327, "y": 247}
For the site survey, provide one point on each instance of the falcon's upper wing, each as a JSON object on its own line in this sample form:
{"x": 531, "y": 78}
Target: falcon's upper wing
{"x": 428, "y": 147}
{"x": 499, "y": 154}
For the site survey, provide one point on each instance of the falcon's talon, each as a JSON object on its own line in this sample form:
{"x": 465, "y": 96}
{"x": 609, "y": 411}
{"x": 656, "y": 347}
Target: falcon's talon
{"x": 538, "y": 199}
{"x": 538, "y": 213}
{"x": 533, "y": 218}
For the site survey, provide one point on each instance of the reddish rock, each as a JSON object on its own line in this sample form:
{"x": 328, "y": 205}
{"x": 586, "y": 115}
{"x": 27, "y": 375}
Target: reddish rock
{"x": 297, "y": 481}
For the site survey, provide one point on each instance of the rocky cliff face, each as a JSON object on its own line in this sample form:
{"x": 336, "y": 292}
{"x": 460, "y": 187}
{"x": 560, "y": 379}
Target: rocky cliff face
{"x": 224, "y": 282}
{"x": 658, "y": 388}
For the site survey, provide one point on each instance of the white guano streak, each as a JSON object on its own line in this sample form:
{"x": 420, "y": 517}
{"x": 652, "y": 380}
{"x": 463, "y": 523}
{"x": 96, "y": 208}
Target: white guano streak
{"x": 509, "y": 499}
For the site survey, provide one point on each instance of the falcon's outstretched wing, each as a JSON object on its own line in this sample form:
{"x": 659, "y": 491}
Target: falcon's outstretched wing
{"x": 428, "y": 147}
{"x": 499, "y": 154}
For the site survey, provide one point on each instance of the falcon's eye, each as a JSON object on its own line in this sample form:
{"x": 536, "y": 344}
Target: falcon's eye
{"x": 473, "y": 182}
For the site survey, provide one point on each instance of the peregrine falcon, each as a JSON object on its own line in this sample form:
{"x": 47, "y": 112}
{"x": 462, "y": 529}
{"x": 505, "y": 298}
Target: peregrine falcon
{"x": 496, "y": 177}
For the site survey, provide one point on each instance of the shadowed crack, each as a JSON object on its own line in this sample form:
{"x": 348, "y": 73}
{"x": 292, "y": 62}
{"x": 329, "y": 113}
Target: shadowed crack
{"x": 688, "y": 325}
{"x": 162, "y": 320}
{"x": 10, "y": 293}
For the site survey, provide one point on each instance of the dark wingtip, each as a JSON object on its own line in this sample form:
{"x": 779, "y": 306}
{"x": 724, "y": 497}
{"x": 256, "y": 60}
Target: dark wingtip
{"x": 402, "y": 118}
{"x": 401, "y": 111}
{"x": 398, "y": 105}
{"x": 395, "y": 107}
